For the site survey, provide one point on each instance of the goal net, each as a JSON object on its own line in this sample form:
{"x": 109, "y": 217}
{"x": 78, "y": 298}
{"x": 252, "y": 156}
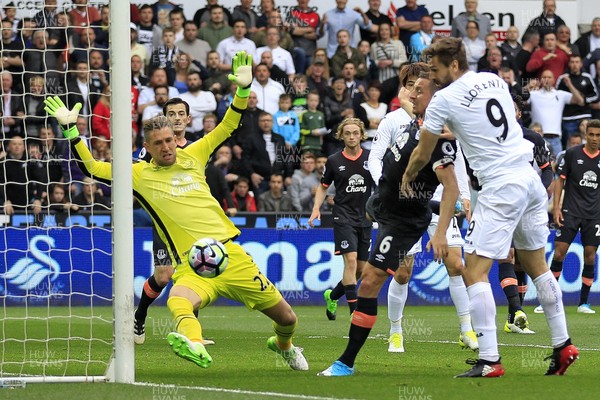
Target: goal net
{"x": 57, "y": 282}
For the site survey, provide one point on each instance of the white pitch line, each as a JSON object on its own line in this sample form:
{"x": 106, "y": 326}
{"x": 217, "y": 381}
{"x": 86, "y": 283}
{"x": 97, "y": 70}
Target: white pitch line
{"x": 540, "y": 346}
{"x": 384, "y": 338}
{"x": 241, "y": 391}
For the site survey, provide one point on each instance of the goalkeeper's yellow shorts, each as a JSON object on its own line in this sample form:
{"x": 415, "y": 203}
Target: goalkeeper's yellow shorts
{"x": 241, "y": 281}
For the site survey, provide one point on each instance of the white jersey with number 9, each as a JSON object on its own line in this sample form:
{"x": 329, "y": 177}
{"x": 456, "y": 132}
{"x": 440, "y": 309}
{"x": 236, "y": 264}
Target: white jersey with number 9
{"x": 479, "y": 110}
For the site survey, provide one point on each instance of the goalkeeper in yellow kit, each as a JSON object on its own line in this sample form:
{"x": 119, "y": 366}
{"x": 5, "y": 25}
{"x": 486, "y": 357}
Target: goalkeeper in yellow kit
{"x": 173, "y": 189}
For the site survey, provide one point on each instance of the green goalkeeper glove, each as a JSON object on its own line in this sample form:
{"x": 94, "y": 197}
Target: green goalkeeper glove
{"x": 242, "y": 73}
{"x": 67, "y": 119}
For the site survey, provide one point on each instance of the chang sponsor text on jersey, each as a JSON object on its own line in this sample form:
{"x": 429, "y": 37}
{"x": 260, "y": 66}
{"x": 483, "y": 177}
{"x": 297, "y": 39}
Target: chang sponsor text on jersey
{"x": 356, "y": 183}
{"x": 590, "y": 179}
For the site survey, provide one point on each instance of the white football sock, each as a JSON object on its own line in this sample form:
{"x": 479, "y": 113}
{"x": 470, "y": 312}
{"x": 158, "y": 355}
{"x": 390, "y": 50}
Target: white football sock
{"x": 483, "y": 316}
{"x": 460, "y": 298}
{"x": 397, "y": 295}
{"x": 550, "y": 297}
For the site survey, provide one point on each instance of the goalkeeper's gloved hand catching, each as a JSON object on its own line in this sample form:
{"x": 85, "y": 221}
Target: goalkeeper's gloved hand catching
{"x": 67, "y": 119}
{"x": 242, "y": 73}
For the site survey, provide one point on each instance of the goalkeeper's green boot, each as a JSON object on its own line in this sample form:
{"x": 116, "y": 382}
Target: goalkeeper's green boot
{"x": 331, "y": 305}
{"x": 191, "y": 351}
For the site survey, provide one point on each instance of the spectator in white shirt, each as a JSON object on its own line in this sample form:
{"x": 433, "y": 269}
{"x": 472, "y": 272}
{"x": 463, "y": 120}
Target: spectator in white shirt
{"x": 237, "y": 42}
{"x": 548, "y": 104}
{"x": 161, "y": 96}
{"x": 146, "y": 98}
{"x": 266, "y": 89}
{"x": 281, "y": 57}
{"x": 474, "y": 45}
{"x": 200, "y": 101}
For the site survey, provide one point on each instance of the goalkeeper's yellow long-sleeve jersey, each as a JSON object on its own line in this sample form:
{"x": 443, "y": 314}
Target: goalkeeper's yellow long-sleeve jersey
{"x": 177, "y": 197}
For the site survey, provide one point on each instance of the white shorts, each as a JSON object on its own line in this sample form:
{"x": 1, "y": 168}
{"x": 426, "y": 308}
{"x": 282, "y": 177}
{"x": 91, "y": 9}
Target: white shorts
{"x": 453, "y": 235}
{"x": 415, "y": 249}
{"x": 511, "y": 208}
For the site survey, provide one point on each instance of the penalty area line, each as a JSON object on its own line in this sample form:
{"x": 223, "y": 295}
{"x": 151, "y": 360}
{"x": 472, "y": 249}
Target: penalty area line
{"x": 240, "y": 391}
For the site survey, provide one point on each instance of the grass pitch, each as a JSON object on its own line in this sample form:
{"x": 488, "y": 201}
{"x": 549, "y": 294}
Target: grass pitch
{"x": 244, "y": 368}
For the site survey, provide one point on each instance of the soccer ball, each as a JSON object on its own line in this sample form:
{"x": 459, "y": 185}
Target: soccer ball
{"x": 208, "y": 257}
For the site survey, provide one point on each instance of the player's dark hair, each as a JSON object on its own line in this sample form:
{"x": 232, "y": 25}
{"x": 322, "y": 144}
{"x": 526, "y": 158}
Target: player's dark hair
{"x": 174, "y": 101}
{"x": 447, "y": 50}
{"x": 414, "y": 69}
{"x": 518, "y": 100}
{"x": 592, "y": 123}
{"x": 351, "y": 121}
{"x": 285, "y": 96}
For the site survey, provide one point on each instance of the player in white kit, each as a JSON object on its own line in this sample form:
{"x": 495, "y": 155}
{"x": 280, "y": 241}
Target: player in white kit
{"x": 512, "y": 203}
{"x": 390, "y": 129}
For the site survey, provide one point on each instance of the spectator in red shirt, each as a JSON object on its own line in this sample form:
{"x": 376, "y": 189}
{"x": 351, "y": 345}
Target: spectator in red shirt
{"x": 243, "y": 198}
{"x": 548, "y": 57}
{"x": 101, "y": 115}
{"x": 83, "y": 15}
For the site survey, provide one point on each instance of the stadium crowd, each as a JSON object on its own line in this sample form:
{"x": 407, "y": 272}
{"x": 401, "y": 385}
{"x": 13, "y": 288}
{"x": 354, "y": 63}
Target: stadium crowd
{"x": 300, "y": 93}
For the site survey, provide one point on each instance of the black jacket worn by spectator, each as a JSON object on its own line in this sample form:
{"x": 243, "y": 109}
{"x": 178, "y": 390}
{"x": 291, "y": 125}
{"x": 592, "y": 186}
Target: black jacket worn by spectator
{"x": 583, "y": 43}
{"x": 256, "y": 158}
{"x": 75, "y": 96}
{"x": 543, "y": 25}
{"x": 248, "y": 126}
{"x": 16, "y": 183}
{"x": 218, "y": 186}
{"x": 16, "y": 105}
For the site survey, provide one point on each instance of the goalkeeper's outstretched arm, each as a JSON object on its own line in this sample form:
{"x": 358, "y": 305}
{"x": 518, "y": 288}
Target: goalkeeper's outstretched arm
{"x": 242, "y": 77}
{"x": 101, "y": 171}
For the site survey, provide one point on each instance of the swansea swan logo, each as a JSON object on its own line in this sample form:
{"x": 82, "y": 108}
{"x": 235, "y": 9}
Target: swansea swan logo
{"x": 431, "y": 284}
{"x": 29, "y": 272}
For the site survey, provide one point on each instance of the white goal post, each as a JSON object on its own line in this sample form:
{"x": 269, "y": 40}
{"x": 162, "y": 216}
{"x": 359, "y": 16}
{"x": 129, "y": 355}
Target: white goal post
{"x": 120, "y": 56}
{"x": 44, "y": 337}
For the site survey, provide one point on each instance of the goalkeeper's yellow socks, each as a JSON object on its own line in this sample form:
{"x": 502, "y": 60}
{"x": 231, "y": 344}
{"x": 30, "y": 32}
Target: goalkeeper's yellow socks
{"x": 284, "y": 335}
{"x": 185, "y": 321}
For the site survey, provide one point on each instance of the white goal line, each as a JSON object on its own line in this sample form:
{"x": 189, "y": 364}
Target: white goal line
{"x": 240, "y": 391}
